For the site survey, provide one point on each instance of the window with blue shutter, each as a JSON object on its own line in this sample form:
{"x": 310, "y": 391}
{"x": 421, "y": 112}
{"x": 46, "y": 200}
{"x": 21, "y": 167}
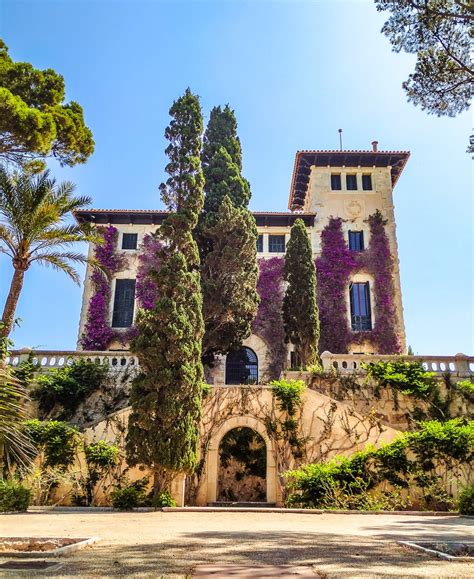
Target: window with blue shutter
{"x": 260, "y": 243}
{"x": 356, "y": 240}
{"x": 361, "y": 318}
{"x": 129, "y": 241}
{"x": 276, "y": 243}
{"x": 124, "y": 302}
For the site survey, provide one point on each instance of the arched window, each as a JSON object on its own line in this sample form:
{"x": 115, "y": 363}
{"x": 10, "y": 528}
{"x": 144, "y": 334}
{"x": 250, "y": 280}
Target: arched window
{"x": 241, "y": 367}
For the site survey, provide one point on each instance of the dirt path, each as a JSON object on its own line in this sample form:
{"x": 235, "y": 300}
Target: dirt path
{"x": 173, "y": 544}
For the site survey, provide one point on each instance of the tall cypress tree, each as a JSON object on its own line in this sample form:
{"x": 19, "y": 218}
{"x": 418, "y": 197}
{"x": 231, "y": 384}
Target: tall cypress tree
{"x": 300, "y": 310}
{"x": 163, "y": 427}
{"x": 227, "y": 240}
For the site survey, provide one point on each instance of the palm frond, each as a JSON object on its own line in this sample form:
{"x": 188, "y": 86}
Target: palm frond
{"x": 60, "y": 262}
{"x": 17, "y": 447}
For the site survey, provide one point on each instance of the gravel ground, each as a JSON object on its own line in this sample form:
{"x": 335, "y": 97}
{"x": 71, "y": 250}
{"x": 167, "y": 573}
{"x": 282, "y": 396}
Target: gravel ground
{"x": 157, "y": 544}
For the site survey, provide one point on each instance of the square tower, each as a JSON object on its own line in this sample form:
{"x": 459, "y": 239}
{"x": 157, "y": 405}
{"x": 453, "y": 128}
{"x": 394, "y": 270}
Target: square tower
{"x": 353, "y": 186}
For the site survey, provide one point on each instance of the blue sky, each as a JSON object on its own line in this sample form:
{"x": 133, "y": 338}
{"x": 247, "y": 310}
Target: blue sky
{"x": 294, "y": 72}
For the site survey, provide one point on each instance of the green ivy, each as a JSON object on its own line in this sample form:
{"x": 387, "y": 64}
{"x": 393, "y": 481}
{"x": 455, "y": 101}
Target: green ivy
{"x": 57, "y": 440}
{"x": 288, "y": 393}
{"x": 466, "y": 389}
{"x": 68, "y": 386}
{"x": 409, "y": 378}
{"x": 101, "y": 458}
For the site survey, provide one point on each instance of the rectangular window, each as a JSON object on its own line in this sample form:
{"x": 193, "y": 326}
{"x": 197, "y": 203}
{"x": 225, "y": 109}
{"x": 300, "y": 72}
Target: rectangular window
{"x": 260, "y": 243}
{"x": 124, "y": 302}
{"x": 351, "y": 182}
{"x": 356, "y": 240}
{"x": 336, "y": 181}
{"x": 367, "y": 182}
{"x": 276, "y": 243}
{"x": 361, "y": 319}
{"x": 129, "y": 241}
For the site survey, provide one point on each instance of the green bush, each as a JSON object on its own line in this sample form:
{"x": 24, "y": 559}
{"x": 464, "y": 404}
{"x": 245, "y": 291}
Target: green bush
{"x": 163, "y": 500}
{"x": 68, "y": 386}
{"x": 409, "y": 378}
{"x": 130, "y": 496}
{"x": 288, "y": 393}
{"x": 13, "y": 496}
{"x": 410, "y": 462}
{"x": 466, "y": 500}
{"x": 466, "y": 389}
{"x": 55, "y": 439}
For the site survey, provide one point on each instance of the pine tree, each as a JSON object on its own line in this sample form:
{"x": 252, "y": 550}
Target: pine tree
{"x": 300, "y": 310}
{"x": 227, "y": 239}
{"x": 166, "y": 397}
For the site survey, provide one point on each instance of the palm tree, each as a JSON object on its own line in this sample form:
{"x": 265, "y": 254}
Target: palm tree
{"x": 33, "y": 228}
{"x": 15, "y": 446}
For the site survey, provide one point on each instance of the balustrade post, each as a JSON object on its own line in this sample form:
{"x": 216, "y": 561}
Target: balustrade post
{"x": 462, "y": 364}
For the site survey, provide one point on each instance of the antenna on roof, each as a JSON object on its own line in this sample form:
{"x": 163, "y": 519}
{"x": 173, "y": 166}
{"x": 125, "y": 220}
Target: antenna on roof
{"x": 340, "y": 138}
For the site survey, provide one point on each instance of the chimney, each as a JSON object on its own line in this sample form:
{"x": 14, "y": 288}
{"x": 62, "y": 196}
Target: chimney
{"x": 374, "y": 146}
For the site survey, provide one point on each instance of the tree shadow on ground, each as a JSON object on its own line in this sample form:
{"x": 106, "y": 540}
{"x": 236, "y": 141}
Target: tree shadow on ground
{"x": 348, "y": 556}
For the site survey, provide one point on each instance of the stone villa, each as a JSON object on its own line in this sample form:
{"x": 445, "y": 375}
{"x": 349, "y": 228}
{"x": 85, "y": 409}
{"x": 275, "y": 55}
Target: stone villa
{"x": 351, "y": 185}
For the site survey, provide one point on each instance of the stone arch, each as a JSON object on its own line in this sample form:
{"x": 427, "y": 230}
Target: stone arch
{"x": 212, "y": 461}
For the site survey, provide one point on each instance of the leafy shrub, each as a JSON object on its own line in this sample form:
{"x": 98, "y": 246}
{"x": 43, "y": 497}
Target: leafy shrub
{"x": 101, "y": 458}
{"x": 466, "y": 389}
{"x": 56, "y": 440}
{"x": 288, "y": 393}
{"x": 130, "y": 496}
{"x": 163, "y": 500}
{"x": 410, "y": 462}
{"x": 466, "y": 500}
{"x": 68, "y": 386}
{"x": 409, "y": 378}
{"x": 13, "y": 496}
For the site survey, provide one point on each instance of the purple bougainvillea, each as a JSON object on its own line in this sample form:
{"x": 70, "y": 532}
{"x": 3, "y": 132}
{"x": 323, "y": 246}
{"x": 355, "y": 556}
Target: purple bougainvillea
{"x": 97, "y": 332}
{"x": 334, "y": 268}
{"x": 268, "y": 323}
{"x": 146, "y": 288}
{"x": 378, "y": 261}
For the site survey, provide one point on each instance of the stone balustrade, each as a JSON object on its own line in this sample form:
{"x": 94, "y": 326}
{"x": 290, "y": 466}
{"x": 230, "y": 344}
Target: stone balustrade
{"x": 46, "y": 359}
{"x": 459, "y": 365}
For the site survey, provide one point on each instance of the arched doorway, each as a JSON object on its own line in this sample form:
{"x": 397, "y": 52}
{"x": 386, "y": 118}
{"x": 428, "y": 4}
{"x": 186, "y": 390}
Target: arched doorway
{"x": 242, "y": 466}
{"x": 241, "y": 367}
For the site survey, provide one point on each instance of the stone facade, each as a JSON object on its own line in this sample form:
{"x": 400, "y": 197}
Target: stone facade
{"x": 313, "y": 198}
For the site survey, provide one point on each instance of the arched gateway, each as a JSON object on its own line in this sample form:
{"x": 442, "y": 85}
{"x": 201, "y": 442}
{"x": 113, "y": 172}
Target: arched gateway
{"x": 242, "y": 467}
{"x": 213, "y": 463}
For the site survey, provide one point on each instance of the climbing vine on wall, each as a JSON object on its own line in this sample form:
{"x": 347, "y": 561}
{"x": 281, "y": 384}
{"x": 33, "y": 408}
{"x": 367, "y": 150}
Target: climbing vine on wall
{"x": 268, "y": 323}
{"x": 146, "y": 287}
{"x": 334, "y": 268}
{"x": 97, "y": 331}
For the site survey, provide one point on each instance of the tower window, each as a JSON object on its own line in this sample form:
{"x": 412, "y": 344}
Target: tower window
{"x": 356, "y": 240}
{"x": 351, "y": 182}
{"x": 129, "y": 241}
{"x": 260, "y": 243}
{"x": 361, "y": 319}
{"x": 367, "y": 182}
{"x": 336, "y": 181}
{"x": 276, "y": 243}
{"x": 124, "y": 301}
